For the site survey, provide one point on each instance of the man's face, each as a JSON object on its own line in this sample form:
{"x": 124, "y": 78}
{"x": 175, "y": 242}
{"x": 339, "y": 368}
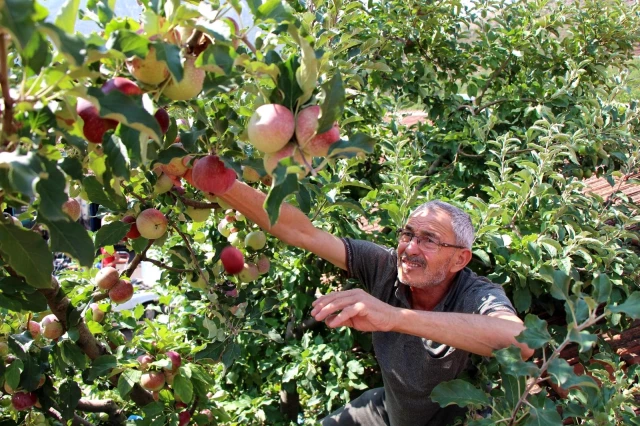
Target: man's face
{"x": 423, "y": 269}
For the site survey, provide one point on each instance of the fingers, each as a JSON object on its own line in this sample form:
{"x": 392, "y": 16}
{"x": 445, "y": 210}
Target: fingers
{"x": 344, "y": 318}
{"x": 330, "y": 306}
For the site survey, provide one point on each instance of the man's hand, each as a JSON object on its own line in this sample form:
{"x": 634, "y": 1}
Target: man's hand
{"x": 356, "y": 308}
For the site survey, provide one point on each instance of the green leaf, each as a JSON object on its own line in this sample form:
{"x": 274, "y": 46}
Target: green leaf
{"x": 96, "y": 194}
{"x": 66, "y": 18}
{"x": 17, "y": 17}
{"x": 72, "y": 47}
{"x": 458, "y": 392}
{"x": 52, "y": 193}
{"x": 24, "y": 171}
{"x": 117, "y": 157}
{"x": 510, "y": 360}
{"x": 100, "y": 367}
{"x": 535, "y": 334}
{"x": 271, "y": 10}
{"x": 72, "y": 167}
{"x": 111, "y": 233}
{"x": 73, "y": 355}
{"x": 359, "y": 143}
{"x": 307, "y": 73}
{"x": 129, "y": 43}
{"x": 212, "y": 351}
{"x": 166, "y": 155}
{"x": 547, "y": 416}
{"x": 217, "y": 58}
{"x": 70, "y": 394}
{"x": 290, "y": 373}
{"x": 127, "y": 380}
{"x": 71, "y": 238}
{"x": 12, "y": 374}
{"x": 183, "y": 388}
{"x": 231, "y": 353}
{"x": 559, "y": 281}
{"x": 521, "y": 299}
{"x": 27, "y": 253}
{"x": 585, "y": 339}
{"x": 278, "y": 192}
{"x": 562, "y": 374}
{"x": 22, "y": 301}
{"x": 126, "y": 110}
{"x": 288, "y": 90}
{"x": 602, "y": 286}
{"x": 333, "y": 104}
{"x": 170, "y": 53}
{"x": 630, "y": 307}
{"x": 36, "y": 54}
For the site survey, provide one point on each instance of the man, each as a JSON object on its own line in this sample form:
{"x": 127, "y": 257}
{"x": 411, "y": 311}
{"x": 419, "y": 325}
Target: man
{"x": 426, "y": 310}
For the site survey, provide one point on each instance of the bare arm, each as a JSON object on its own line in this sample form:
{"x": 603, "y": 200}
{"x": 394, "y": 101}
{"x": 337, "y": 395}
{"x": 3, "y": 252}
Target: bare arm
{"x": 478, "y": 334}
{"x": 293, "y": 227}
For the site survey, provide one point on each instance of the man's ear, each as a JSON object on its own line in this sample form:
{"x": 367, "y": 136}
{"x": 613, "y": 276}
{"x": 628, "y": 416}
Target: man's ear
{"x": 461, "y": 259}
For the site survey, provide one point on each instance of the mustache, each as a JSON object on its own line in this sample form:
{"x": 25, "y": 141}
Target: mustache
{"x": 414, "y": 259}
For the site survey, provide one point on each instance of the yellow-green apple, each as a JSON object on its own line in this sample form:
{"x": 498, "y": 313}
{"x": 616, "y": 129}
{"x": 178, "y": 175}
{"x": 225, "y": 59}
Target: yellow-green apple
{"x": 163, "y": 184}
{"x": 51, "y": 327}
{"x": 190, "y": 85}
{"x": 249, "y": 273}
{"x": 34, "y": 328}
{"x": 94, "y": 126}
{"x": 176, "y": 166}
{"x": 97, "y": 314}
{"x": 235, "y": 239}
{"x": 232, "y": 259}
{"x": 144, "y": 361}
{"x": 271, "y": 127}
{"x": 148, "y": 70}
{"x": 72, "y": 208}
{"x": 210, "y": 175}
{"x": 121, "y": 292}
{"x": 151, "y": 224}
{"x": 107, "y": 277}
{"x": 176, "y": 360}
{"x": 162, "y": 117}
{"x": 317, "y": 145}
{"x": 263, "y": 264}
{"x": 198, "y": 215}
{"x": 250, "y": 175}
{"x": 4, "y": 349}
{"x": 255, "y": 240}
{"x": 290, "y": 150}
{"x": 23, "y": 400}
{"x": 123, "y": 85}
{"x": 223, "y": 228}
{"x": 133, "y": 231}
{"x": 152, "y": 381}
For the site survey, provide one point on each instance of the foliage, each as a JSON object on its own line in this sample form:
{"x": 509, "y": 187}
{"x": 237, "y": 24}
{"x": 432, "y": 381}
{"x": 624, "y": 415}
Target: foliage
{"x": 523, "y": 99}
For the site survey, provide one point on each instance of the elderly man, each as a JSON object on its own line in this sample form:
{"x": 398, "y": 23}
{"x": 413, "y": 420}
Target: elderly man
{"x": 426, "y": 310}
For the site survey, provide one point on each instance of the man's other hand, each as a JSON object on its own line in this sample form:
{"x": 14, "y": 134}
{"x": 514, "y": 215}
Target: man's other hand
{"x": 354, "y": 308}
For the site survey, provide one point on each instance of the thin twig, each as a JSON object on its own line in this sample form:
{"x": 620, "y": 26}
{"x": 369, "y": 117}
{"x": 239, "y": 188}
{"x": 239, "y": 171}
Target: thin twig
{"x": 136, "y": 260}
{"x": 7, "y": 117}
{"x": 165, "y": 266}
{"x": 193, "y": 253}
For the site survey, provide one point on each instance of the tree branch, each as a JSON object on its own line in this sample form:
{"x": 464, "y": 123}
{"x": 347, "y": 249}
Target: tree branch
{"x": 492, "y": 77}
{"x": 7, "y": 114}
{"x": 136, "y": 261}
{"x": 165, "y": 266}
{"x": 108, "y": 406}
{"x": 193, "y": 253}
{"x": 198, "y": 204}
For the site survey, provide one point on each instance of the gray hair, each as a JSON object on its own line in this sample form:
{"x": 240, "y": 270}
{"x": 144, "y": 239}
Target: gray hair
{"x": 460, "y": 221}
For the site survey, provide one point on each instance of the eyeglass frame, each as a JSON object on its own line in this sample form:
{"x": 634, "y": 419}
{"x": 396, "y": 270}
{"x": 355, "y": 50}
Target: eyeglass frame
{"x": 399, "y": 231}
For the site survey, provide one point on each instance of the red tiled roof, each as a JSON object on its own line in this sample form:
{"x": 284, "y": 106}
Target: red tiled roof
{"x": 601, "y": 187}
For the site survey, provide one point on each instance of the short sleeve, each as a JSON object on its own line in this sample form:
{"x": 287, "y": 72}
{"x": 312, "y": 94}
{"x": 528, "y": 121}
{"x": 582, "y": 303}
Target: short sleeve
{"x": 371, "y": 264}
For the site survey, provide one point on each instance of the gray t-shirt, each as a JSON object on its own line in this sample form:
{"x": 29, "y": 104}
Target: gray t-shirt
{"x": 412, "y": 366}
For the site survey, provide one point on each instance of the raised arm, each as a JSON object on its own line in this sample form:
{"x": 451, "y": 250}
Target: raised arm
{"x": 293, "y": 227}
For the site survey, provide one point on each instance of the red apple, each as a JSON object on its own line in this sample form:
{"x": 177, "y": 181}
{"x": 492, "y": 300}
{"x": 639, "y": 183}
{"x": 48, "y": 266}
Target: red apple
{"x": 263, "y": 264}
{"x": 306, "y": 126}
{"x": 184, "y": 418}
{"x": 144, "y": 361}
{"x": 152, "y": 381}
{"x": 34, "y": 328}
{"x": 94, "y": 126}
{"x": 175, "y": 167}
{"x": 162, "y": 117}
{"x": 152, "y": 224}
{"x": 271, "y": 127}
{"x": 23, "y": 400}
{"x": 148, "y": 70}
{"x": 210, "y": 175}
{"x": 133, "y": 232}
{"x": 290, "y": 150}
{"x": 97, "y": 314}
{"x": 107, "y": 277}
{"x": 51, "y": 327}
{"x": 72, "y": 208}
{"x": 176, "y": 360}
{"x": 232, "y": 260}
{"x": 123, "y": 85}
{"x": 249, "y": 273}
{"x": 121, "y": 292}
{"x": 190, "y": 85}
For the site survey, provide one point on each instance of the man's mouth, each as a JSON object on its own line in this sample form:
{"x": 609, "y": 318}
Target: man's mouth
{"x": 412, "y": 263}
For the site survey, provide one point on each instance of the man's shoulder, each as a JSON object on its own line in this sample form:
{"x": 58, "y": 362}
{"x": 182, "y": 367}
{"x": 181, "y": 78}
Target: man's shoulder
{"x": 474, "y": 291}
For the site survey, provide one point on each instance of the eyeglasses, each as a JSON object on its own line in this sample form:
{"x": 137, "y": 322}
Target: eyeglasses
{"x": 425, "y": 243}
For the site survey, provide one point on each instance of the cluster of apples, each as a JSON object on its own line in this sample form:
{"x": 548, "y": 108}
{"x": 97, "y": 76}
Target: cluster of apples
{"x": 95, "y": 127}
{"x": 120, "y": 291}
{"x": 272, "y": 128}
{"x": 150, "y": 224}
{"x": 21, "y": 399}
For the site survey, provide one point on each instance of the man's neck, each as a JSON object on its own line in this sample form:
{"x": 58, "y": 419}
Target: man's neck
{"x": 426, "y": 299}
